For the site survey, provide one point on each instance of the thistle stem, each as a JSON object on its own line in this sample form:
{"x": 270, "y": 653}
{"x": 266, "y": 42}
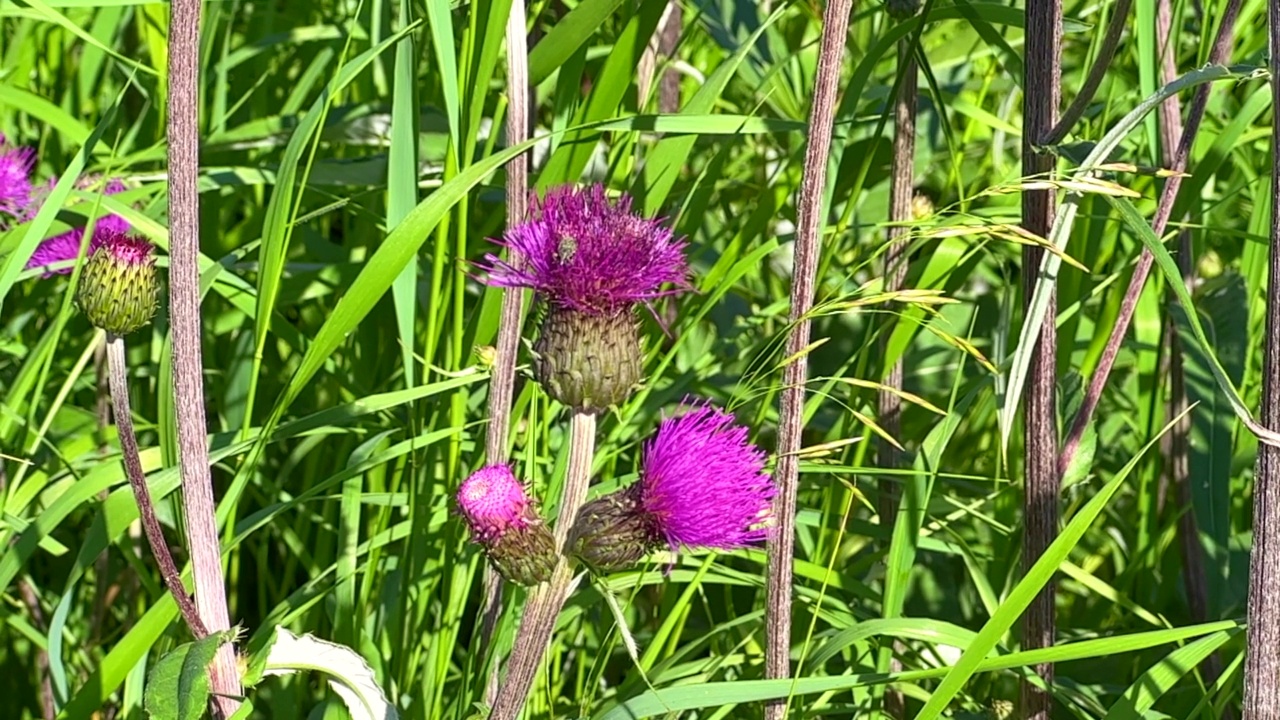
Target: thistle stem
{"x": 1043, "y": 481}
{"x": 809, "y": 211}
{"x": 188, "y": 374}
{"x": 545, "y": 602}
{"x": 1262, "y": 664}
{"x": 118, "y": 379}
{"x": 502, "y": 381}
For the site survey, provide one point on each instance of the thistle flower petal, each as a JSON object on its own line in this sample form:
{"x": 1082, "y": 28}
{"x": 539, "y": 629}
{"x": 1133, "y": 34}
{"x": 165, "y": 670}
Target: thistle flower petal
{"x": 66, "y": 246}
{"x": 703, "y": 482}
{"x": 492, "y": 500}
{"x": 15, "y": 177}
{"x": 586, "y": 253}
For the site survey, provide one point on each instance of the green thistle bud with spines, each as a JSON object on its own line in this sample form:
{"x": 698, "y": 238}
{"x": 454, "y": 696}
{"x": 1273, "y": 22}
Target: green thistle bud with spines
{"x": 613, "y": 532}
{"x": 118, "y": 288}
{"x": 588, "y": 362}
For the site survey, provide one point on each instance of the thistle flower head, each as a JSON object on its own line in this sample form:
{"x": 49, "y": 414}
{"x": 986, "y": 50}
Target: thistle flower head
{"x": 587, "y": 253}
{"x": 66, "y": 246}
{"x": 119, "y": 287}
{"x": 703, "y": 483}
{"x": 492, "y": 500}
{"x": 15, "y": 177}
{"x": 504, "y": 522}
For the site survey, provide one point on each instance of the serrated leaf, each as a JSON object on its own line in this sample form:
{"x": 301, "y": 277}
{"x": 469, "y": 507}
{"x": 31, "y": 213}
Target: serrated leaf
{"x": 349, "y": 675}
{"x": 178, "y": 685}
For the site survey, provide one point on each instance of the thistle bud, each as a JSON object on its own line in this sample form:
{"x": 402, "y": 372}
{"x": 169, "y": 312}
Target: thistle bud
{"x": 588, "y": 362}
{"x": 613, "y": 532}
{"x": 921, "y": 206}
{"x": 505, "y": 523}
{"x": 118, "y": 290}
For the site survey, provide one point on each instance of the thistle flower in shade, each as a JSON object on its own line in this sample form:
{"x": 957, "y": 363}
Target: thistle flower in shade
{"x": 702, "y": 485}
{"x": 591, "y": 261}
{"x": 66, "y": 246}
{"x": 15, "y": 177}
{"x": 118, "y": 289}
{"x": 505, "y": 523}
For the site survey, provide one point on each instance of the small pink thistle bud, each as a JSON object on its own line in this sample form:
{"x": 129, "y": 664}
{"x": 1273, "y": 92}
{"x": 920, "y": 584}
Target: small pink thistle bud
{"x": 118, "y": 289}
{"x": 505, "y": 523}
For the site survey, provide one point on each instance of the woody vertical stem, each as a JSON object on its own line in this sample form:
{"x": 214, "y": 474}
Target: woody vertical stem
{"x": 901, "y": 194}
{"x": 1042, "y": 479}
{"x": 502, "y": 381}
{"x": 809, "y": 214}
{"x": 1262, "y": 663}
{"x": 184, "y": 308}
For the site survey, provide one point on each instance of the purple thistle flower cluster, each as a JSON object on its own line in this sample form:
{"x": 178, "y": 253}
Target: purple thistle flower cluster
{"x": 585, "y": 253}
{"x": 703, "y": 483}
{"x": 21, "y": 199}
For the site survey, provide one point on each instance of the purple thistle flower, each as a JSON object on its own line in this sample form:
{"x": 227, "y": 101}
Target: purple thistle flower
{"x": 15, "y": 177}
{"x": 505, "y": 523}
{"x": 67, "y": 245}
{"x": 583, "y": 252}
{"x": 59, "y": 249}
{"x": 703, "y": 483}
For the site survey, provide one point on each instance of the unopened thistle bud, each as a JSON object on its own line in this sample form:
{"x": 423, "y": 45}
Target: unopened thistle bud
{"x": 702, "y": 485}
{"x": 118, "y": 290}
{"x": 505, "y": 523}
{"x": 590, "y": 262}
{"x": 921, "y": 206}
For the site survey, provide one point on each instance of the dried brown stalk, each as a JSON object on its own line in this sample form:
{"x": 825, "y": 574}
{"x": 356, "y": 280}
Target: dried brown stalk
{"x": 1262, "y": 662}
{"x": 503, "y": 379}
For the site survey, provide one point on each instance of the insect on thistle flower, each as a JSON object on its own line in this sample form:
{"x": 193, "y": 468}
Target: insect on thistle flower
{"x": 702, "y": 485}
{"x": 590, "y": 261}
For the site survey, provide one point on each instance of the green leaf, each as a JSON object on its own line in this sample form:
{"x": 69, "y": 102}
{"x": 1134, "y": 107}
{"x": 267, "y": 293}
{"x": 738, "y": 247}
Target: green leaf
{"x": 178, "y": 685}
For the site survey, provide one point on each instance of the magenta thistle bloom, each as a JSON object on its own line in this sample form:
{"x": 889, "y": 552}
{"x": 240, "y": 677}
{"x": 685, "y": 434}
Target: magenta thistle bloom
{"x": 591, "y": 261}
{"x": 505, "y": 523}
{"x": 15, "y": 177}
{"x": 66, "y": 246}
{"x": 589, "y": 254}
{"x": 702, "y": 484}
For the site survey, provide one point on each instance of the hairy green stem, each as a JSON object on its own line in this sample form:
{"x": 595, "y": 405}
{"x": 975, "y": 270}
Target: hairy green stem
{"x": 545, "y": 601}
